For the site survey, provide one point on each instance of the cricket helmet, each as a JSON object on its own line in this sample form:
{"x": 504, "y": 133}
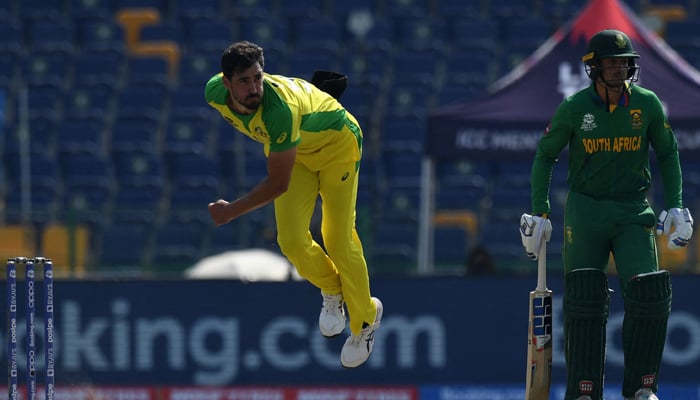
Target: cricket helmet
{"x": 609, "y": 43}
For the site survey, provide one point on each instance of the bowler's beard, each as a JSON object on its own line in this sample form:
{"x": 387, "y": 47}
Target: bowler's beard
{"x": 251, "y": 103}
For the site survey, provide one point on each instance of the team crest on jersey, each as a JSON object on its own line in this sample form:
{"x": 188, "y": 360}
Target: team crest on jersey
{"x": 260, "y": 134}
{"x": 588, "y": 123}
{"x": 636, "y": 118}
{"x": 569, "y": 234}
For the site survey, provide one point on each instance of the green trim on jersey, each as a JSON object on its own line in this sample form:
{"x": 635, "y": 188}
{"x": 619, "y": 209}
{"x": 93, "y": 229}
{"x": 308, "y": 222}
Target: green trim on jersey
{"x": 292, "y": 113}
{"x": 608, "y": 151}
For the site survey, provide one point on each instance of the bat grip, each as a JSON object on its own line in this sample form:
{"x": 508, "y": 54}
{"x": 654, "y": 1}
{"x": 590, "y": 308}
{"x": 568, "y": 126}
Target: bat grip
{"x": 542, "y": 266}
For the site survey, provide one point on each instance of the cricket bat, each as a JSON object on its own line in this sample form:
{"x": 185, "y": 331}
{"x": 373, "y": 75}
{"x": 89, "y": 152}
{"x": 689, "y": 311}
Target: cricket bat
{"x": 539, "y": 349}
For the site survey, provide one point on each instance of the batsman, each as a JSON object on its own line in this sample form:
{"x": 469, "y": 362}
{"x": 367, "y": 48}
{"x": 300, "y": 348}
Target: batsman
{"x": 609, "y": 128}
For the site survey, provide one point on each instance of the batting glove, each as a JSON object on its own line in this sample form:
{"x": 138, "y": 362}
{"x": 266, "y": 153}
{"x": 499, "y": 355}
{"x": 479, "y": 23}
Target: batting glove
{"x": 683, "y": 222}
{"x": 533, "y": 229}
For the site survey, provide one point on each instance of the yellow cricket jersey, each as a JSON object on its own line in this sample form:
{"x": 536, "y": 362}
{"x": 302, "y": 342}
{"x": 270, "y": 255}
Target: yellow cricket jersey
{"x": 293, "y": 112}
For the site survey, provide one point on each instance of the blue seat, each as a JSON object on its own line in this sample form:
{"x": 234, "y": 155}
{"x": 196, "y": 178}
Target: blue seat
{"x": 138, "y": 167}
{"x": 209, "y": 36}
{"x": 147, "y": 70}
{"x": 81, "y": 134}
{"x": 420, "y": 31}
{"x": 42, "y": 137}
{"x": 322, "y": 32}
{"x": 103, "y": 66}
{"x": 164, "y": 30}
{"x": 459, "y": 9}
{"x": 301, "y": 8}
{"x": 123, "y": 245}
{"x": 196, "y": 9}
{"x": 502, "y": 240}
{"x": 47, "y": 66}
{"x": 226, "y": 238}
{"x": 451, "y": 246}
{"x": 515, "y": 173}
{"x": 44, "y": 202}
{"x": 309, "y": 59}
{"x": 177, "y": 245}
{"x": 86, "y": 170}
{"x": 44, "y": 100}
{"x": 683, "y": 33}
{"x": 135, "y": 133}
{"x": 100, "y": 32}
{"x": 346, "y": 9}
{"x": 463, "y": 172}
{"x": 138, "y": 202}
{"x": 464, "y": 197}
{"x": 147, "y": 98}
{"x": 404, "y": 131}
{"x": 52, "y": 34}
{"x": 89, "y": 99}
{"x": 407, "y": 98}
{"x": 508, "y": 204}
{"x": 457, "y": 92}
{"x": 259, "y": 30}
{"x": 38, "y": 9}
{"x": 251, "y": 9}
{"x": 11, "y": 37}
{"x": 189, "y": 99}
{"x": 402, "y": 166}
{"x": 419, "y": 65}
{"x": 157, "y": 4}
{"x": 187, "y": 202}
{"x": 400, "y": 8}
{"x": 198, "y": 67}
{"x": 474, "y": 32}
{"x": 89, "y": 9}
{"x": 468, "y": 67}
{"x": 86, "y": 203}
{"x": 527, "y": 33}
{"x": 192, "y": 168}
{"x": 187, "y": 132}
{"x": 400, "y": 203}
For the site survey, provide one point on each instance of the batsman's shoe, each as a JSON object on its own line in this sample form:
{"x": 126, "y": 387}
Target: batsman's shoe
{"x": 643, "y": 394}
{"x": 331, "y": 322}
{"x": 357, "y": 349}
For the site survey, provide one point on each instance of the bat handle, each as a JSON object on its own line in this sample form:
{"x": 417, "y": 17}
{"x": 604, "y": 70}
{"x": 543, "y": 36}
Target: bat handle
{"x": 542, "y": 266}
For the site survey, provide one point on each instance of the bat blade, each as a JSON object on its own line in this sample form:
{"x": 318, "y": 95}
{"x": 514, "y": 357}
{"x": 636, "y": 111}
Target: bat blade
{"x": 539, "y": 331}
{"x": 539, "y": 349}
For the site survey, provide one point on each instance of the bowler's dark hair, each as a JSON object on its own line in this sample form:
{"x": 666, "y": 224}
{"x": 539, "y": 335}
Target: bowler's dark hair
{"x": 241, "y": 56}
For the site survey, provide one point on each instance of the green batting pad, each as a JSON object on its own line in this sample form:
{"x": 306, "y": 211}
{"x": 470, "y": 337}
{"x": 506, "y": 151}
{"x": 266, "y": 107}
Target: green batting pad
{"x": 647, "y": 307}
{"x": 586, "y": 307}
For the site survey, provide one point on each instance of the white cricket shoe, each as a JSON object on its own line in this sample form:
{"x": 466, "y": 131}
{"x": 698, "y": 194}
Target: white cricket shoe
{"x": 357, "y": 349}
{"x": 643, "y": 394}
{"x": 331, "y": 322}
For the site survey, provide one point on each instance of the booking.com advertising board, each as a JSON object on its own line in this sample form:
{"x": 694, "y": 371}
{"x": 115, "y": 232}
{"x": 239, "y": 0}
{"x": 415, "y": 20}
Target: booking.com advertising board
{"x": 447, "y": 338}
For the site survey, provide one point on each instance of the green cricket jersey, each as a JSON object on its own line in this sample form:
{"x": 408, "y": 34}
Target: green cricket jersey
{"x": 608, "y": 151}
{"x": 293, "y": 112}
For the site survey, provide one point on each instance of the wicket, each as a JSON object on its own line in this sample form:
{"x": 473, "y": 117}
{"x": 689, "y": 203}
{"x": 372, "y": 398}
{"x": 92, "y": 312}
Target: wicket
{"x": 30, "y": 311}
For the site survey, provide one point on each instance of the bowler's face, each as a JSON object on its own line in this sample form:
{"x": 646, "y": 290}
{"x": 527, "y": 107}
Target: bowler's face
{"x": 246, "y": 89}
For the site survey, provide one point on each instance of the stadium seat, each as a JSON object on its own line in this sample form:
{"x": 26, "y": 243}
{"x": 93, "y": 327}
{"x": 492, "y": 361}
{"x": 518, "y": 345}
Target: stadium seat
{"x": 396, "y": 8}
{"x": 100, "y": 33}
{"x": 81, "y": 135}
{"x": 146, "y": 98}
{"x": 406, "y": 98}
{"x": 11, "y": 37}
{"x": 137, "y": 167}
{"x": 399, "y": 204}
{"x": 177, "y": 246}
{"x": 474, "y": 32}
{"x": 528, "y": 33}
{"x": 421, "y": 31}
{"x": 261, "y": 31}
{"x": 106, "y": 66}
{"x": 44, "y": 100}
{"x": 306, "y": 60}
{"x": 138, "y": 202}
{"x": 90, "y": 9}
{"x": 147, "y": 70}
{"x": 301, "y": 9}
{"x": 416, "y": 65}
{"x": 451, "y": 245}
{"x": 165, "y": 30}
{"x": 42, "y": 137}
{"x": 349, "y": 9}
{"x": 319, "y": 32}
{"x": 187, "y": 132}
{"x": 468, "y": 67}
{"x": 47, "y": 66}
{"x": 89, "y": 100}
{"x": 197, "y": 67}
{"x": 188, "y": 100}
{"x": 252, "y": 9}
{"x": 52, "y": 34}
{"x": 67, "y": 245}
{"x": 508, "y": 204}
{"x": 135, "y": 133}
{"x": 187, "y": 201}
{"x": 226, "y": 238}
{"x": 404, "y": 131}
{"x": 39, "y": 9}
{"x": 207, "y": 36}
{"x": 195, "y": 9}
{"x": 122, "y": 245}
{"x": 402, "y": 166}
{"x": 192, "y": 168}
